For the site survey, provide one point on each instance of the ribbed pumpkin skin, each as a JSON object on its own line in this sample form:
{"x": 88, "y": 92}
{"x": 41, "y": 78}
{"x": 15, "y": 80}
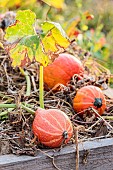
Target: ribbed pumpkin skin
{"x": 62, "y": 70}
{"x": 49, "y": 126}
{"x": 85, "y": 98}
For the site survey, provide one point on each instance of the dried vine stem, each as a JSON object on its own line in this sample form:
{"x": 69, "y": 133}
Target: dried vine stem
{"x": 93, "y": 125}
{"x": 77, "y": 150}
{"x": 53, "y": 159}
{"x": 101, "y": 117}
{"x": 76, "y": 131}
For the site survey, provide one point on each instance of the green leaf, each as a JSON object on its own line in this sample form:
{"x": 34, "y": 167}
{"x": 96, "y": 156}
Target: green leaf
{"x": 22, "y": 27}
{"x": 24, "y": 51}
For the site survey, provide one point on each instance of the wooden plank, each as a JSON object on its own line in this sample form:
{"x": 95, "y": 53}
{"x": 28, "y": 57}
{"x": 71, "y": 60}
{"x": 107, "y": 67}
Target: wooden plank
{"x": 99, "y": 157}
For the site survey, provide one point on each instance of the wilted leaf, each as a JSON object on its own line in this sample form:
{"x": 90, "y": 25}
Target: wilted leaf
{"x": 56, "y": 4}
{"x": 24, "y": 51}
{"x": 22, "y": 27}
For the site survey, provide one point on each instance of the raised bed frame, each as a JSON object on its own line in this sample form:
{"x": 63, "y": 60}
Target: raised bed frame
{"x": 94, "y": 155}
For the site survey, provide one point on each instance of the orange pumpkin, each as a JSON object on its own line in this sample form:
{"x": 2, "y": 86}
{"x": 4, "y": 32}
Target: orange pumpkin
{"x": 62, "y": 70}
{"x": 89, "y": 96}
{"x": 52, "y": 127}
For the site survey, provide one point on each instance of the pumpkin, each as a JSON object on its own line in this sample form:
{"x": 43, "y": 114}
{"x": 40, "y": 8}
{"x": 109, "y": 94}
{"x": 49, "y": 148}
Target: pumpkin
{"x": 89, "y": 96}
{"x": 62, "y": 70}
{"x": 52, "y": 127}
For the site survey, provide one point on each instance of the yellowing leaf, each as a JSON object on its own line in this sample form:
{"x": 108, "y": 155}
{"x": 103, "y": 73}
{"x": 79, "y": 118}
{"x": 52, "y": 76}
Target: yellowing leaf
{"x": 41, "y": 57}
{"x": 27, "y": 17}
{"x": 18, "y": 54}
{"x": 60, "y": 40}
{"x": 55, "y": 3}
{"x": 25, "y": 36}
{"x": 48, "y": 26}
{"x": 22, "y": 27}
{"x": 17, "y": 31}
{"x": 24, "y": 51}
{"x": 49, "y": 44}
{"x": 55, "y": 37}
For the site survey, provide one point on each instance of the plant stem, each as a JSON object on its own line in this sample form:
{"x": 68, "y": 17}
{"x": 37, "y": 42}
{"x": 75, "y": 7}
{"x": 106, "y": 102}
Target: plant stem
{"x": 41, "y": 83}
{"x": 15, "y": 106}
{"x": 8, "y": 105}
{"x": 28, "y": 91}
{"x": 95, "y": 111}
{"x": 28, "y": 109}
{"x": 6, "y": 112}
{"x": 26, "y": 74}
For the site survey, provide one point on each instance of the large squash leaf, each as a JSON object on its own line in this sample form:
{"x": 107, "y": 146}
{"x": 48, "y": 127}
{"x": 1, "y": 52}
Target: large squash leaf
{"x": 27, "y": 46}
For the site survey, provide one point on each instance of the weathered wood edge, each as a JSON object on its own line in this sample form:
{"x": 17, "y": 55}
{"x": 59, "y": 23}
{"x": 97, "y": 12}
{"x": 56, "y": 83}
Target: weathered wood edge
{"x": 99, "y": 153}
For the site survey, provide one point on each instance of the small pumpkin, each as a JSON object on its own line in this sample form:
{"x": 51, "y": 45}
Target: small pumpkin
{"x": 62, "y": 70}
{"x": 52, "y": 127}
{"x": 89, "y": 96}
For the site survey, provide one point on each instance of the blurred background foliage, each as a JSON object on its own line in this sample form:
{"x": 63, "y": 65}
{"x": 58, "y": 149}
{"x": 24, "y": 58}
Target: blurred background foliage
{"x": 89, "y": 22}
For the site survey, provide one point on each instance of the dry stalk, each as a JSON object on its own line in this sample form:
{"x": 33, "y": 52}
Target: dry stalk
{"x": 52, "y": 157}
{"x": 101, "y": 118}
{"x": 76, "y": 131}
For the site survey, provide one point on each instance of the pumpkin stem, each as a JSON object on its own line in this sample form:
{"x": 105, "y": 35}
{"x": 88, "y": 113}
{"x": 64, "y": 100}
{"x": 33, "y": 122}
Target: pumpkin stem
{"x": 98, "y": 102}
{"x": 65, "y": 134}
